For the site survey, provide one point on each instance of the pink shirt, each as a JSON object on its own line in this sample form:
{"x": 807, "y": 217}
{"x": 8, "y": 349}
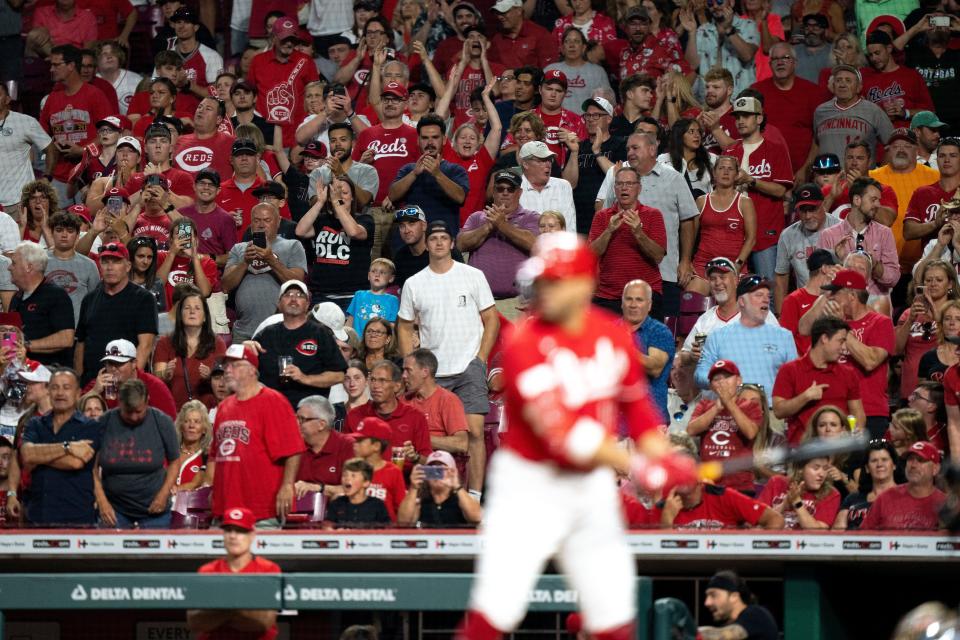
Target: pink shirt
{"x": 78, "y": 30}
{"x": 878, "y": 241}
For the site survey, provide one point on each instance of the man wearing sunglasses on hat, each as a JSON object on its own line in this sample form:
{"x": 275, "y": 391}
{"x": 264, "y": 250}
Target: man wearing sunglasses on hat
{"x": 413, "y": 256}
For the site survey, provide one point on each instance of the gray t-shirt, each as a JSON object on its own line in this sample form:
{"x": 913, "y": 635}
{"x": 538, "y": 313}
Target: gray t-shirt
{"x": 78, "y": 276}
{"x": 835, "y": 127}
{"x": 795, "y": 246}
{"x": 810, "y": 63}
{"x": 582, "y": 81}
{"x": 132, "y": 459}
{"x": 256, "y": 297}
{"x": 362, "y": 175}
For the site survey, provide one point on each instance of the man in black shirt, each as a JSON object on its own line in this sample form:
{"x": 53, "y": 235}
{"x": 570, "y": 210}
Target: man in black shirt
{"x": 307, "y": 351}
{"x": 45, "y": 309}
{"x": 598, "y": 153}
{"x": 244, "y": 97}
{"x": 733, "y": 605}
{"x": 116, "y": 310}
{"x": 413, "y": 257}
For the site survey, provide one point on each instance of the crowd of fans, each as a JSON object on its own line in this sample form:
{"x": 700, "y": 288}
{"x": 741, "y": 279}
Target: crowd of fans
{"x": 280, "y": 261}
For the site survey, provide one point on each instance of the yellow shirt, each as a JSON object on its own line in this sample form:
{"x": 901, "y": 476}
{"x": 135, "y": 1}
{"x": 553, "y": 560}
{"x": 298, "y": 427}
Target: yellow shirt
{"x": 904, "y": 184}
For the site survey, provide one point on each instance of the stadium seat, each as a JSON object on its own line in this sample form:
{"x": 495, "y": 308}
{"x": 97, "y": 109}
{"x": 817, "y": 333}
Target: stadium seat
{"x": 672, "y": 620}
{"x": 309, "y": 509}
{"x": 692, "y": 305}
{"x": 191, "y": 509}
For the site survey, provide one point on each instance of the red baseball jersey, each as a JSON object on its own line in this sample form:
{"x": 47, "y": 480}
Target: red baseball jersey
{"x": 251, "y": 439}
{"x": 903, "y": 87}
{"x": 579, "y": 384}
{"x": 565, "y": 119}
{"x": 71, "y": 119}
{"x": 388, "y": 485}
{"x": 769, "y": 162}
{"x": 724, "y": 440}
{"x": 392, "y": 148}
{"x": 924, "y": 205}
{"x": 280, "y": 89}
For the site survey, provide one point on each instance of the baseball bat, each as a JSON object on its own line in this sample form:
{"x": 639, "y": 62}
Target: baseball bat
{"x": 715, "y": 469}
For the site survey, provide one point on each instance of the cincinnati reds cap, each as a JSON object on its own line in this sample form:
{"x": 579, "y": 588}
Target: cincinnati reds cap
{"x": 726, "y": 366}
{"x": 239, "y": 517}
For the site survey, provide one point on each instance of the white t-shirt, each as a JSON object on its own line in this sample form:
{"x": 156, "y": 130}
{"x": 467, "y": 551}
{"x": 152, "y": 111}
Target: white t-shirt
{"x": 447, "y": 307}
{"x": 125, "y": 86}
{"x": 557, "y": 195}
{"x": 18, "y": 134}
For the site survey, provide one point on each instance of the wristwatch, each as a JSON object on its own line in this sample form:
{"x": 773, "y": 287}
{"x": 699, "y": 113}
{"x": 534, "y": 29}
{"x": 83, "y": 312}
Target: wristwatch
{"x": 11, "y": 493}
{"x": 66, "y": 446}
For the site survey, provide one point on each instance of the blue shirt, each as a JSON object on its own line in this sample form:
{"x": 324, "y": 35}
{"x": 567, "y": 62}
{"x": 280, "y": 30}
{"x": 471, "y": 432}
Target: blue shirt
{"x": 367, "y": 304}
{"x": 60, "y": 497}
{"x": 426, "y": 193}
{"x": 653, "y": 333}
{"x": 757, "y": 351}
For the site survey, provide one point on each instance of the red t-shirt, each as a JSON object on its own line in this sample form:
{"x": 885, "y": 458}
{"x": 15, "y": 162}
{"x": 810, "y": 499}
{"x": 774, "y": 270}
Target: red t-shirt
{"x": 622, "y": 261}
{"x": 159, "y": 396}
{"x": 792, "y": 112}
{"x": 607, "y": 386}
{"x": 478, "y": 170}
{"x": 564, "y": 119}
{"x": 156, "y": 227}
{"x": 769, "y": 162}
{"x": 796, "y": 376}
{"x": 193, "y": 154}
{"x": 922, "y": 338}
{"x": 444, "y": 412}
{"x": 951, "y": 387}
{"x": 406, "y": 423}
{"x": 199, "y": 388}
{"x": 251, "y": 440}
{"x": 231, "y": 198}
{"x": 895, "y": 508}
{"x": 636, "y": 514}
{"x": 724, "y": 440}
{"x": 875, "y": 330}
{"x": 280, "y": 89}
{"x": 924, "y": 205}
{"x": 888, "y": 198}
{"x": 256, "y": 565}
{"x": 72, "y": 120}
{"x": 388, "y": 485}
{"x": 326, "y": 466}
{"x": 182, "y": 272}
{"x": 825, "y": 510}
{"x": 533, "y": 45}
{"x": 902, "y": 86}
{"x": 469, "y": 80}
{"x": 795, "y": 306}
{"x": 109, "y": 13}
{"x": 392, "y": 148}
{"x": 719, "y": 508}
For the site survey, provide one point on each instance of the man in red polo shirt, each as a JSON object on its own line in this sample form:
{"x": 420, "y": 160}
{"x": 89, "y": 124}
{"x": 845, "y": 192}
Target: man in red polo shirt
{"x": 915, "y": 505}
{"x": 630, "y": 240}
{"x": 321, "y": 464}
{"x": 817, "y": 379}
{"x": 207, "y": 146}
{"x": 408, "y": 425}
{"x": 555, "y": 118}
{"x": 281, "y": 76}
{"x": 238, "y": 537}
{"x": 519, "y": 42}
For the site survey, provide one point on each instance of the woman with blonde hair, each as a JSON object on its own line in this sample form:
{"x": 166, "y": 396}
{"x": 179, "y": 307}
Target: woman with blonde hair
{"x": 826, "y": 423}
{"x": 935, "y": 362}
{"x": 674, "y": 98}
{"x": 846, "y": 50}
{"x": 552, "y": 221}
{"x": 906, "y": 428}
{"x": 194, "y": 433}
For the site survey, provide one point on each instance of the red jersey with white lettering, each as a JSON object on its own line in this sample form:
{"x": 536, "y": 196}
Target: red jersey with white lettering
{"x": 796, "y": 376}
{"x": 795, "y": 306}
{"x": 156, "y": 227}
{"x": 903, "y": 87}
{"x": 256, "y": 565}
{"x": 925, "y": 205}
{"x": 251, "y": 440}
{"x": 182, "y": 271}
{"x": 895, "y": 508}
{"x": 577, "y": 383}
{"x": 724, "y": 440}
{"x": 469, "y": 80}
{"x": 478, "y": 170}
{"x": 194, "y": 154}
{"x": 721, "y": 233}
{"x": 875, "y": 330}
{"x": 72, "y": 120}
{"x": 719, "y": 508}
{"x": 392, "y": 148}
{"x": 280, "y": 89}
{"x": 769, "y": 162}
{"x": 388, "y": 485}
{"x": 824, "y": 509}
{"x": 565, "y": 119}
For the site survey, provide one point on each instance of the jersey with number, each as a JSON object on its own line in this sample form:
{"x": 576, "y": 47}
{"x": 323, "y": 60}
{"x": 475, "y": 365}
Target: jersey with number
{"x": 576, "y": 387}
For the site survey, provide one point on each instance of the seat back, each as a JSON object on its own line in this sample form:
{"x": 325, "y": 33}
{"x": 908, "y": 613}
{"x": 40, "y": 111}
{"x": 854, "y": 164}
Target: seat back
{"x": 307, "y": 509}
{"x": 192, "y": 509}
{"x": 692, "y": 302}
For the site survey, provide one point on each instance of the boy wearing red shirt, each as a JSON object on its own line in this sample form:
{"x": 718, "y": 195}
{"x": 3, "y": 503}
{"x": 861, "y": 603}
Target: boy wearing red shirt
{"x": 899, "y": 91}
{"x": 371, "y": 440}
{"x": 555, "y": 118}
{"x": 238, "y": 537}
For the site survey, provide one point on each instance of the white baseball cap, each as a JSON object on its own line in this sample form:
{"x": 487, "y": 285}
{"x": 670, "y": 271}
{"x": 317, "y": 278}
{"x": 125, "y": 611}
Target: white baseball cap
{"x": 131, "y": 142}
{"x": 119, "y": 351}
{"x": 293, "y": 283}
{"x": 536, "y": 149}
{"x": 37, "y": 373}
{"x": 601, "y": 103}
{"x": 330, "y": 315}
{"x": 505, "y": 5}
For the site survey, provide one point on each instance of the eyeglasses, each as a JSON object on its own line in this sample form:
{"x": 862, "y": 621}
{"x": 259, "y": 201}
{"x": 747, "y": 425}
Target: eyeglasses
{"x": 781, "y": 59}
{"x": 57, "y": 64}
{"x": 631, "y": 183}
{"x": 505, "y": 189}
{"x": 594, "y": 116}
{"x": 294, "y": 293}
{"x": 377, "y": 332}
{"x": 916, "y": 396}
{"x": 305, "y": 420}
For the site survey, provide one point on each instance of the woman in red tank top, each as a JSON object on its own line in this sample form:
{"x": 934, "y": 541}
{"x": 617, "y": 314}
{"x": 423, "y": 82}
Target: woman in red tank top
{"x": 727, "y": 224}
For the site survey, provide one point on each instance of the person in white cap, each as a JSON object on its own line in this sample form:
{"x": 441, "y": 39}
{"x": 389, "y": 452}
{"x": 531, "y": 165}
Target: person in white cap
{"x": 539, "y": 190}
{"x": 438, "y": 502}
{"x": 119, "y": 365}
{"x": 299, "y": 358}
{"x": 598, "y": 153}
{"x": 127, "y": 158}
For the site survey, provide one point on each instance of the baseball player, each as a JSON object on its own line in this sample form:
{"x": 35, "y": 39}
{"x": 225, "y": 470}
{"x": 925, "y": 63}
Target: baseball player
{"x": 571, "y": 373}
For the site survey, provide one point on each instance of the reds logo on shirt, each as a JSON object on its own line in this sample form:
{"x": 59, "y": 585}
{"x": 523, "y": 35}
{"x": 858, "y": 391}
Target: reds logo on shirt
{"x": 582, "y": 380}
{"x": 307, "y": 347}
{"x": 932, "y": 211}
{"x": 395, "y": 149}
{"x": 66, "y": 280}
{"x": 195, "y": 158}
{"x": 360, "y": 76}
{"x": 876, "y": 94}
{"x": 762, "y": 170}
{"x": 281, "y": 98}
{"x": 178, "y": 276}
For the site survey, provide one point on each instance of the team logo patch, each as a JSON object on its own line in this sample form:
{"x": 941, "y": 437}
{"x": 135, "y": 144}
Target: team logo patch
{"x": 227, "y": 447}
{"x": 307, "y": 347}
{"x": 195, "y": 158}
{"x": 236, "y": 514}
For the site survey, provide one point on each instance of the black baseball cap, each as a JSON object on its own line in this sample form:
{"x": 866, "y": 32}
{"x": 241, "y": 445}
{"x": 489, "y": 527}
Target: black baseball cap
{"x": 243, "y": 85}
{"x": 243, "y": 146}
{"x": 270, "y": 188}
{"x": 173, "y": 121}
{"x": 818, "y": 259}
{"x": 185, "y": 14}
{"x": 750, "y": 283}
{"x": 438, "y": 226}
{"x": 807, "y": 195}
{"x": 507, "y": 176}
{"x": 208, "y": 174}
{"x": 826, "y": 163}
{"x": 157, "y": 130}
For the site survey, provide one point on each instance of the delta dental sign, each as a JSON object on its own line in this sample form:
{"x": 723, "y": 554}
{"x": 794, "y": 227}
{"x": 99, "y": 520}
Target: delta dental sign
{"x": 119, "y": 594}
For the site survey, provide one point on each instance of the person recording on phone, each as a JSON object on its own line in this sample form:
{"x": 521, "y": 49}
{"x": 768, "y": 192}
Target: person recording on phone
{"x": 436, "y": 499}
{"x": 154, "y": 215}
{"x": 184, "y": 262}
{"x": 298, "y": 357}
{"x": 119, "y": 365}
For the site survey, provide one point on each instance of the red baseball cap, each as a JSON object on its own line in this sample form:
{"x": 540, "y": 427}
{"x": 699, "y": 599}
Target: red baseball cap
{"x": 846, "y": 279}
{"x": 372, "y": 427}
{"x": 284, "y": 28}
{"x": 241, "y": 352}
{"x": 114, "y": 250}
{"x": 925, "y": 450}
{"x": 559, "y": 255}
{"x": 395, "y": 89}
{"x": 726, "y": 366}
{"x": 556, "y": 76}
{"x": 80, "y": 210}
{"x": 239, "y": 517}
{"x": 11, "y": 318}
{"x": 113, "y": 192}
